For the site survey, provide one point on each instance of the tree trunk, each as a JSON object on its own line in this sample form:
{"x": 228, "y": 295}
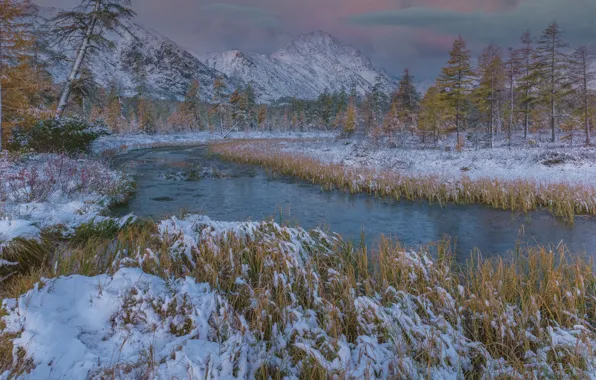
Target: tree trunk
{"x": 552, "y": 94}
{"x": 74, "y": 73}
{"x": 511, "y": 110}
{"x": 491, "y": 123}
{"x": 1, "y": 130}
{"x": 586, "y": 105}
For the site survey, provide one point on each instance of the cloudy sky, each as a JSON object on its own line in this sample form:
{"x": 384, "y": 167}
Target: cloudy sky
{"x": 395, "y": 33}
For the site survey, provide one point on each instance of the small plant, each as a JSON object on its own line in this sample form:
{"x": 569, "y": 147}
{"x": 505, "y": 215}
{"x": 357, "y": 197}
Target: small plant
{"x": 66, "y": 135}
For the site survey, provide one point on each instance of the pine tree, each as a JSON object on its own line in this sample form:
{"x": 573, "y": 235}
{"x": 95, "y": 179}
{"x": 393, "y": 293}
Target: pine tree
{"x": 114, "y": 117}
{"x": 190, "y": 108}
{"x": 15, "y": 41}
{"x": 377, "y": 101}
{"x": 86, "y": 27}
{"x": 351, "y": 118}
{"x": 393, "y": 120}
{"x": 250, "y": 100}
{"x": 455, "y": 80}
{"x": 235, "y": 99}
{"x": 584, "y": 74}
{"x": 406, "y": 101}
{"x": 325, "y": 108}
{"x": 487, "y": 94}
{"x": 431, "y": 114}
{"x": 262, "y": 117}
{"x": 219, "y": 100}
{"x": 145, "y": 117}
{"x": 550, "y": 65}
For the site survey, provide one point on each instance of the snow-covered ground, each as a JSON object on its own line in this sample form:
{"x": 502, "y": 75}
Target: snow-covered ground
{"x": 133, "y": 324}
{"x": 116, "y": 144}
{"x": 47, "y": 190}
{"x": 544, "y": 164}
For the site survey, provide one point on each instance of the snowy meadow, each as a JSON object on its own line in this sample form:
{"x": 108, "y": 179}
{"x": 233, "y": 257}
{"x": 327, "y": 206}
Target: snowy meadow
{"x": 193, "y": 297}
{"x": 189, "y": 297}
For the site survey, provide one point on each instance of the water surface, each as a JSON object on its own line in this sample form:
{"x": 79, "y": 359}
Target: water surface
{"x": 175, "y": 180}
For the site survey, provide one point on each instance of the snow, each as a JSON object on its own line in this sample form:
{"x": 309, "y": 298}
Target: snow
{"x": 304, "y": 69}
{"x": 40, "y": 191}
{"x": 543, "y": 164}
{"x": 133, "y": 324}
{"x": 308, "y": 66}
{"x": 125, "y": 143}
{"x": 13, "y": 229}
{"x": 169, "y": 68}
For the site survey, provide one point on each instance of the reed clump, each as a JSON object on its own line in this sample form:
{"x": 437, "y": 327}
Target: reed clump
{"x": 562, "y": 200}
{"x": 320, "y": 307}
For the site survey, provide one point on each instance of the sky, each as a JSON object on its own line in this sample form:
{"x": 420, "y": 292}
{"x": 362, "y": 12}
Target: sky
{"x": 395, "y": 34}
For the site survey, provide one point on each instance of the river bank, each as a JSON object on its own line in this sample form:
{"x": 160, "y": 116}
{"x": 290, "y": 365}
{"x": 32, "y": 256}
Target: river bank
{"x": 313, "y": 163}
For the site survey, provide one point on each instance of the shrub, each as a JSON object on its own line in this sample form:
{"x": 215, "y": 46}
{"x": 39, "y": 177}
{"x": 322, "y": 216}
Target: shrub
{"x": 65, "y": 135}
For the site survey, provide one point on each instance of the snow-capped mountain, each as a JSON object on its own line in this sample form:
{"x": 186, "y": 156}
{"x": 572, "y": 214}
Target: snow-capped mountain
{"x": 167, "y": 68}
{"x": 308, "y": 66}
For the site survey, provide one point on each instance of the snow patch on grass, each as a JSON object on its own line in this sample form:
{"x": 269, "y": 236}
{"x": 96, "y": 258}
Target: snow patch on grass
{"x": 130, "y": 325}
{"x": 50, "y": 190}
{"x": 118, "y": 144}
{"x": 575, "y": 165}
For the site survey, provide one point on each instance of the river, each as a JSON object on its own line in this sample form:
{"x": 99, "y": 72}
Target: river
{"x": 171, "y": 181}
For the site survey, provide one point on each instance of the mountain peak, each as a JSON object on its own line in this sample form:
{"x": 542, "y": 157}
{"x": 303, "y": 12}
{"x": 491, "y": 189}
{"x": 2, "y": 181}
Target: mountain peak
{"x": 317, "y": 37}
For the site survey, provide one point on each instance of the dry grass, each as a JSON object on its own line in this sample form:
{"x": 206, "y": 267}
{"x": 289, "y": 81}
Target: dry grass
{"x": 505, "y": 308}
{"x": 563, "y": 200}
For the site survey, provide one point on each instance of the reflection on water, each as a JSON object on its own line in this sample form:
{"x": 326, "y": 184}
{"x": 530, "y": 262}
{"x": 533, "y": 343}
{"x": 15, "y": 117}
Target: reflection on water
{"x": 172, "y": 180}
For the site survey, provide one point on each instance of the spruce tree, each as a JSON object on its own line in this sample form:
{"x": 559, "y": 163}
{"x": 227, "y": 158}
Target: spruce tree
{"x": 455, "y": 80}
{"x": 406, "y": 100}
{"x": 219, "y": 101}
{"x": 262, "y": 117}
{"x": 351, "y": 118}
{"x": 190, "y": 109}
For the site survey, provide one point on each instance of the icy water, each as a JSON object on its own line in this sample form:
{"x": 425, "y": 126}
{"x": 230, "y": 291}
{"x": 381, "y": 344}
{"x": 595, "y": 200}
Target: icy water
{"x": 175, "y": 180}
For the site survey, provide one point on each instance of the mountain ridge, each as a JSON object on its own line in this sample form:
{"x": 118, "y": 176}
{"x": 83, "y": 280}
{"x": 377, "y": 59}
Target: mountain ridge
{"x": 314, "y": 62}
{"x": 306, "y": 67}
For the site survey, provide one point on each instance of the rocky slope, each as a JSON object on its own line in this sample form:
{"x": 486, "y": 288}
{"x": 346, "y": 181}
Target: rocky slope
{"x": 166, "y": 68}
{"x": 308, "y": 66}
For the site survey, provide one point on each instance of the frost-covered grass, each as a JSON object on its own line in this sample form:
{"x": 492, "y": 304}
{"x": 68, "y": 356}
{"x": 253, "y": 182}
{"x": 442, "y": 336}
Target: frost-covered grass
{"x": 521, "y": 195}
{"x": 195, "y": 298}
{"x": 38, "y": 191}
{"x": 117, "y": 144}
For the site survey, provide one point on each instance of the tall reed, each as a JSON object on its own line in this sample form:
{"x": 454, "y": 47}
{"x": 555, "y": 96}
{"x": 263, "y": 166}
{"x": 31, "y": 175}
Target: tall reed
{"x": 562, "y": 200}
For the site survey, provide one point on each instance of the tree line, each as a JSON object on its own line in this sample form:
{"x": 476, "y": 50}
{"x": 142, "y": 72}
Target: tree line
{"x": 541, "y": 87}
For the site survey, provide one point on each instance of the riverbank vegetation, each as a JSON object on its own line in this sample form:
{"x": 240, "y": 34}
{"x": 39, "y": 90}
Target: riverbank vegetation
{"x": 283, "y": 302}
{"x": 563, "y": 200}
